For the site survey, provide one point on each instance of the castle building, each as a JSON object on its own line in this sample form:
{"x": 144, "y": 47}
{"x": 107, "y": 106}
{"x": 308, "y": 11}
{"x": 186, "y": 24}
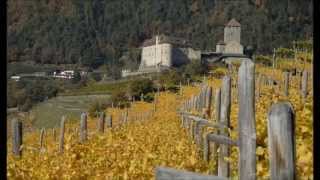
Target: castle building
{"x": 162, "y": 52}
{"x": 166, "y": 51}
{"x": 232, "y": 37}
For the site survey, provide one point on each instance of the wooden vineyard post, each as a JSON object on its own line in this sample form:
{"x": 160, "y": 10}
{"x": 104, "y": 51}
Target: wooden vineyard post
{"x": 54, "y": 134}
{"x": 208, "y": 101}
{"x": 41, "y": 139}
{"x": 126, "y": 114}
{"x": 223, "y": 165}
{"x": 281, "y": 141}
{"x": 246, "y": 121}
{"x": 109, "y": 121}
{"x": 304, "y": 84}
{"x": 17, "y": 137}
{"x": 274, "y": 58}
{"x": 258, "y": 85}
{"x": 101, "y": 122}
{"x": 180, "y": 88}
{"x": 83, "y": 127}
{"x": 217, "y": 103}
{"x": 61, "y": 140}
{"x": 155, "y": 103}
{"x": 286, "y": 83}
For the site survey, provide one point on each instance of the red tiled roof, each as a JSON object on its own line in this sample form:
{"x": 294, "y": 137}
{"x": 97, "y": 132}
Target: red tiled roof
{"x": 233, "y": 23}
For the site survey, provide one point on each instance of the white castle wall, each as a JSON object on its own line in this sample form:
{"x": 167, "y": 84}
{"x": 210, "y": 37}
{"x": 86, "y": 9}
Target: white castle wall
{"x": 219, "y": 48}
{"x": 157, "y": 54}
{"x": 232, "y": 34}
{"x": 233, "y": 47}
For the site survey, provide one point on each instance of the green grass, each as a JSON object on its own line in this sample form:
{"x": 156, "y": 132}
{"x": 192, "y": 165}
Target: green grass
{"x": 48, "y": 114}
{"x": 97, "y": 88}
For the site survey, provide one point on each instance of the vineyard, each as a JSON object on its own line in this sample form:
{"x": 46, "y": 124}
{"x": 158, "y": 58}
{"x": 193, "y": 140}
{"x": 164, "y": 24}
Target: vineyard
{"x": 148, "y": 135}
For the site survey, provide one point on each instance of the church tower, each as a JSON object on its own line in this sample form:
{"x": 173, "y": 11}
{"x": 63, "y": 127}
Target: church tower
{"x": 232, "y": 31}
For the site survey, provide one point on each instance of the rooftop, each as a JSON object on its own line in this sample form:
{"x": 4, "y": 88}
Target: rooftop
{"x": 233, "y": 23}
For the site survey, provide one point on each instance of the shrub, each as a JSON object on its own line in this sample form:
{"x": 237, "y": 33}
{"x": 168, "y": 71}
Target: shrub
{"x": 119, "y": 97}
{"x": 148, "y": 97}
{"x": 195, "y": 68}
{"x": 77, "y": 77}
{"x": 97, "y": 107}
{"x": 26, "y": 106}
{"x": 96, "y": 76}
{"x": 137, "y": 87}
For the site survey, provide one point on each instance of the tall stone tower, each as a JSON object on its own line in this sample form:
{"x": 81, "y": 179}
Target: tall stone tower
{"x": 232, "y": 31}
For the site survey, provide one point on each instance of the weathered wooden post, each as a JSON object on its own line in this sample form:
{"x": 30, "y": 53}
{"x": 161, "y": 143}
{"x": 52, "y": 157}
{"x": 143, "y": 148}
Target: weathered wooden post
{"x": 180, "y": 88}
{"x": 304, "y": 84}
{"x": 208, "y": 102}
{"x": 155, "y": 103}
{"x": 109, "y": 121}
{"x": 258, "y": 86}
{"x": 17, "y": 137}
{"x": 101, "y": 122}
{"x": 83, "y": 127}
{"x": 281, "y": 141}
{"x": 246, "y": 121}
{"x": 286, "y": 83}
{"x": 223, "y": 165}
{"x": 61, "y": 140}
{"x": 274, "y": 59}
{"x": 206, "y": 149}
{"x": 41, "y": 139}
{"x": 217, "y": 104}
{"x": 54, "y": 134}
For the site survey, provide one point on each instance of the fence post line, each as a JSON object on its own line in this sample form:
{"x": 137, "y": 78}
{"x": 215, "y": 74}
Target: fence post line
{"x": 304, "y": 84}
{"x": 41, "y": 138}
{"x": 206, "y": 149}
{"x": 208, "y": 102}
{"x": 223, "y": 166}
{"x": 180, "y": 88}
{"x": 54, "y": 134}
{"x": 155, "y": 103}
{"x": 258, "y": 86}
{"x": 286, "y": 83}
{"x": 17, "y": 137}
{"x": 281, "y": 143}
{"x": 101, "y": 122}
{"x": 217, "y": 104}
{"x": 61, "y": 140}
{"x": 246, "y": 121}
{"x": 109, "y": 121}
{"x": 83, "y": 127}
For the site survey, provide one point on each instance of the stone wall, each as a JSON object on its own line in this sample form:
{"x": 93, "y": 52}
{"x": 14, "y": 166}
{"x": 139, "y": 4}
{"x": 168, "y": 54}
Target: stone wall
{"x": 233, "y": 47}
{"x": 232, "y": 34}
{"x": 157, "y": 54}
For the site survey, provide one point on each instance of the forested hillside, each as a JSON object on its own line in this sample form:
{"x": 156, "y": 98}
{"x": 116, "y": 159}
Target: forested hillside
{"x": 98, "y": 32}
